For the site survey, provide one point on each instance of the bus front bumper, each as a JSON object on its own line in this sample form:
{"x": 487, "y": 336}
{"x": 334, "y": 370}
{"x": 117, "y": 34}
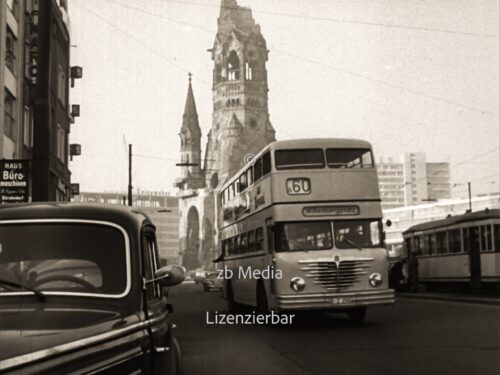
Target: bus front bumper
{"x": 335, "y": 300}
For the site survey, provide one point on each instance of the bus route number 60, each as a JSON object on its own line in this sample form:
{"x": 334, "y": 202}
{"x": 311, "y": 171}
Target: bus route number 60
{"x": 296, "y": 186}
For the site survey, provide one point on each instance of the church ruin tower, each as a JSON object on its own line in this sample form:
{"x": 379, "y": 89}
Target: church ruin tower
{"x": 191, "y": 173}
{"x": 240, "y": 121}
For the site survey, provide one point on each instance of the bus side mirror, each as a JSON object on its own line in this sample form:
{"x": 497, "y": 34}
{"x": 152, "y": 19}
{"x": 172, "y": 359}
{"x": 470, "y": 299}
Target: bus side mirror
{"x": 388, "y": 223}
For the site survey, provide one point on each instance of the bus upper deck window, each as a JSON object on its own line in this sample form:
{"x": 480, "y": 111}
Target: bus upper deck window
{"x": 349, "y": 158}
{"x": 243, "y": 182}
{"x": 266, "y": 163}
{"x": 257, "y": 169}
{"x": 231, "y": 191}
{"x": 249, "y": 176}
{"x": 299, "y": 159}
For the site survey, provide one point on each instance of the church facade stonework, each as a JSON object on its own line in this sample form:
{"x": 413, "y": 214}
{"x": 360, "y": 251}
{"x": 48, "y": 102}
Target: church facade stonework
{"x": 240, "y": 129}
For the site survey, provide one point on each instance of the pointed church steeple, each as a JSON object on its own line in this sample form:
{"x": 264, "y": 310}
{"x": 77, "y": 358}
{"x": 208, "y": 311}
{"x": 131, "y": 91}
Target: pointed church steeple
{"x": 191, "y": 172}
{"x": 190, "y": 118}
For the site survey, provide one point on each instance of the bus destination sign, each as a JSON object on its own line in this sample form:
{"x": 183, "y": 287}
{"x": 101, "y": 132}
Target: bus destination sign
{"x": 14, "y": 181}
{"x": 330, "y": 211}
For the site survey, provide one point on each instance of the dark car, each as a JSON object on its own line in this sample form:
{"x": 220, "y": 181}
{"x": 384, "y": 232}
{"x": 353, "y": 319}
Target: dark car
{"x": 82, "y": 292}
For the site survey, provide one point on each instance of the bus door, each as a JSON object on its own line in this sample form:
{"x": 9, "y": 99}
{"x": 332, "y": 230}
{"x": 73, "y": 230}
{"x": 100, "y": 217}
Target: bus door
{"x": 472, "y": 238}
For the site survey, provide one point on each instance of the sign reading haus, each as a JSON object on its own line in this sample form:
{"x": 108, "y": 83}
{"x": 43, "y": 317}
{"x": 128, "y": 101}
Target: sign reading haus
{"x": 14, "y": 181}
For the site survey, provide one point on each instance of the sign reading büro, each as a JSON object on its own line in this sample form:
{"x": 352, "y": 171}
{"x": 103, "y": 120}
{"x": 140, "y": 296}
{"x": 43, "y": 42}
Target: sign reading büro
{"x": 14, "y": 181}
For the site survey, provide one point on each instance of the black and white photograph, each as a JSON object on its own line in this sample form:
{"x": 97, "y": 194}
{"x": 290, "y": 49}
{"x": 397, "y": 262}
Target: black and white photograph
{"x": 243, "y": 187}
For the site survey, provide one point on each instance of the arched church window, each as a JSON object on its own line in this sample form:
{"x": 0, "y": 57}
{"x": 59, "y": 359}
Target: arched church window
{"x": 253, "y": 123}
{"x": 248, "y": 72}
{"x": 233, "y": 66}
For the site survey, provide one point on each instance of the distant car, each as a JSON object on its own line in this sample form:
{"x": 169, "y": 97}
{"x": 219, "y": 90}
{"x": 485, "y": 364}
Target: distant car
{"x": 81, "y": 291}
{"x": 208, "y": 279}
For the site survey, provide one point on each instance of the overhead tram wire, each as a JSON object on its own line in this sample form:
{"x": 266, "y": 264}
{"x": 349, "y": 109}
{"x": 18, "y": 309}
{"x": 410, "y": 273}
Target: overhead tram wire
{"x": 345, "y": 21}
{"x": 344, "y": 71}
{"x": 138, "y": 41}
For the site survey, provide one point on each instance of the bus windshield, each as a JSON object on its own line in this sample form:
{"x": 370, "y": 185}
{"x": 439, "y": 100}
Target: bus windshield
{"x": 299, "y": 159}
{"x": 317, "y": 235}
{"x": 360, "y": 233}
{"x": 349, "y": 158}
{"x": 309, "y": 235}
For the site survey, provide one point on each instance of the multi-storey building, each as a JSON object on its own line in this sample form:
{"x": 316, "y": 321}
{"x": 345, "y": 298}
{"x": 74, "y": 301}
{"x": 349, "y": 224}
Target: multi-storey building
{"x": 159, "y": 206}
{"x": 412, "y": 181}
{"x": 22, "y": 78}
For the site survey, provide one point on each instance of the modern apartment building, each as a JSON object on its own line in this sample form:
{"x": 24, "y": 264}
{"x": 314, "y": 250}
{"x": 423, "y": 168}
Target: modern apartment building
{"x": 412, "y": 180}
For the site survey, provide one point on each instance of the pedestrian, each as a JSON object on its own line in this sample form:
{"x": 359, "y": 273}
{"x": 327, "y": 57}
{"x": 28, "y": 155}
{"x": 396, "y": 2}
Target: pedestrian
{"x": 413, "y": 272}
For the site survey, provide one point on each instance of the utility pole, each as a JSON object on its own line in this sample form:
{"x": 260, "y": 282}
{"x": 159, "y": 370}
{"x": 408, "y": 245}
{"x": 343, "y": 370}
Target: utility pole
{"x": 470, "y": 199}
{"x": 42, "y": 118}
{"x": 130, "y": 175}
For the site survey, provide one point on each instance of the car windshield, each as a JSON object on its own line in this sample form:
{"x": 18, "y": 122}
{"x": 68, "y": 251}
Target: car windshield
{"x": 357, "y": 233}
{"x": 63, "y": 257}
{"x": 309, "y": 235}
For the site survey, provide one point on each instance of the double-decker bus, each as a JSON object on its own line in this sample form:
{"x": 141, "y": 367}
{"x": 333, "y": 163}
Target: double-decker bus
{"x": 459, "y": 250}
{"x": 305, "y": 215}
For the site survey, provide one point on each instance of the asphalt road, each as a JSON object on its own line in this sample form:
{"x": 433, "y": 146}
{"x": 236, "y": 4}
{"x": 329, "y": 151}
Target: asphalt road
{"x": 410, "y": 337}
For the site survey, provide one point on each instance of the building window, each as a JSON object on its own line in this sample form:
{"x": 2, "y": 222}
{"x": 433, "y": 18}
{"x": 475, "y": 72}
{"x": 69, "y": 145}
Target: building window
{"x": 61, "y": 85}
{"x": 61, "y": 143}
{"x": 28, "y": 127}
{"x": 233, "y": 67}
{"x": 248, "y": 72}
{"x": 10, "y": 117}
{"x": 10, "y": 50}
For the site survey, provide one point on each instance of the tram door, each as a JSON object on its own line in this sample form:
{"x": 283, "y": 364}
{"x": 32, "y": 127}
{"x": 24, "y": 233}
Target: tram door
{"x": 474, "y": 256}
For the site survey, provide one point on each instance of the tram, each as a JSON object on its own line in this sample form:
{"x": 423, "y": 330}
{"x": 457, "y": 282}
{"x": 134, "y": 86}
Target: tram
{"x": 460, "y": 250}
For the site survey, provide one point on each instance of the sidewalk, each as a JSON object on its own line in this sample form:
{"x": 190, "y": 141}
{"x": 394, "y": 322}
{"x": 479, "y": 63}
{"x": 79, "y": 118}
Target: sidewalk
{"x": 452, "y": 297}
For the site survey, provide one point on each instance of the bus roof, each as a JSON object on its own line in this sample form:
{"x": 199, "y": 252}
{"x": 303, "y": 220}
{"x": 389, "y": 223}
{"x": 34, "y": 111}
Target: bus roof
{"x": 304, "y": 143}
{"x": 473, "y": 216}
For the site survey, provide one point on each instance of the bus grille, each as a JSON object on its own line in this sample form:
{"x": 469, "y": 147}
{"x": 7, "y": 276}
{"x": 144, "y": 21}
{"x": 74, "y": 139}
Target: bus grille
{"x": 335, "y": 275}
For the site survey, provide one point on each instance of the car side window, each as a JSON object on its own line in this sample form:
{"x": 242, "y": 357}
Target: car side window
{"x": 150, "y": 266}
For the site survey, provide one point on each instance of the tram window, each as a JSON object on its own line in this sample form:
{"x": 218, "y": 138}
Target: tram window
{"x": 408, "y": 245}
{"x": 257, "y": 169}
{"x": 349, "y": 158}
{"x": 496, "y": 232}
{"x": 243, "y": 182}
{"x": 224, "y": 248}
{"x": 441, "y": 243}
{"x": 299, "y": 159}
{"x": 486, "y": 238}
{"x": 249, "y": 176}
{"x": 266, "y": 163}
{"x": 230, "y": 246}
{"x": 417, "y": 241}
{"x": 237, "y": 245}
{"x": 431, "y": 243}
{"x": 454, "y": 240}
{"x": 244, "y": 243}
{"x": 251, "y": 241}
{"x": 259, "y": 239}
{"x": 473, "y": 239}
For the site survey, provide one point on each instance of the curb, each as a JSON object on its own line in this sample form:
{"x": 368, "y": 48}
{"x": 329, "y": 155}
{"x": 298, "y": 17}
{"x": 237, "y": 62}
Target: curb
{"x": 451, "y": 298}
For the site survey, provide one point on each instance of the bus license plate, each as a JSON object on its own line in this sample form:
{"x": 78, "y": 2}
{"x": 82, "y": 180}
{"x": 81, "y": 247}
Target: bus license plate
{"x": 296, "y": 186}
{"x": 341, "y": 300}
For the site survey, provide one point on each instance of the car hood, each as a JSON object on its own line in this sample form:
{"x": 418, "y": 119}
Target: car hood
{"x": 28, "y": 330}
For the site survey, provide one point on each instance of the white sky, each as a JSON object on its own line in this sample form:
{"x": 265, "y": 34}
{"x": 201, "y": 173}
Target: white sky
{"x": 406, "y": 75}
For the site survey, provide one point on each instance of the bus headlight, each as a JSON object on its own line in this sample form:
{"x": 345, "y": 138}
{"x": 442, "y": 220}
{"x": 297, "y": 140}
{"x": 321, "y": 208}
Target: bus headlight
{"x": 297, "y": 284}
{"x": 375, "y": 279}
